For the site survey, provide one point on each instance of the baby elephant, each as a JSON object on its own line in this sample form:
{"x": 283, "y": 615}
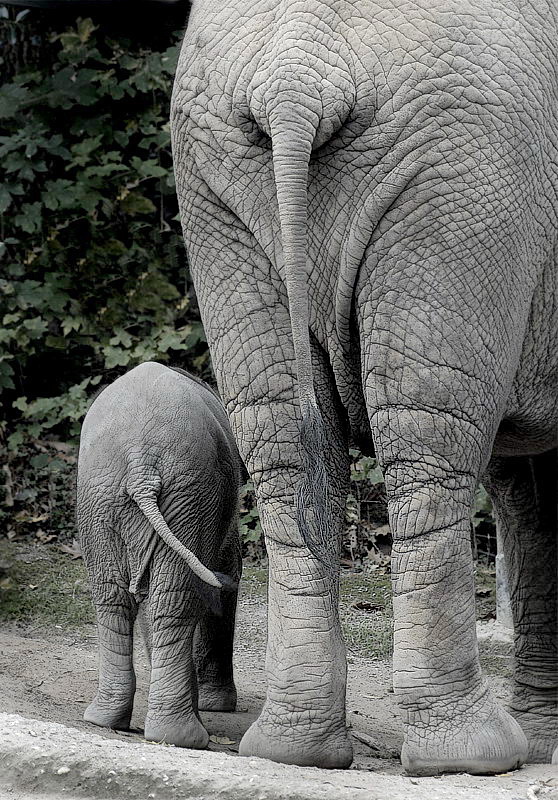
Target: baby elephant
{"x": 157, "y": 497}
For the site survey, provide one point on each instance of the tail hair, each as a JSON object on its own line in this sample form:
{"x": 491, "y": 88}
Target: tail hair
{"x": 312, "y": 498}
{"x": 212, "y": 596}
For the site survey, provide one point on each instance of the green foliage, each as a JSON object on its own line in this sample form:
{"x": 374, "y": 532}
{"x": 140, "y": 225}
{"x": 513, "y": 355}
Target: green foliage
{"x": 365, "y": 469}
{"x": 38, "y": 502}
{"x": 93, "y": 270}
{"x": 482, "y": 508}
{"x": 250, "y": 527}
{"x": 483, "y": 526}
{"x": 249, "y": 524}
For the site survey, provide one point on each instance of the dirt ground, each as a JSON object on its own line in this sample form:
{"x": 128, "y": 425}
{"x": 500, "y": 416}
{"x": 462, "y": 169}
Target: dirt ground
{"x": 48, "y": 674}
{"x": 51, "y": 676}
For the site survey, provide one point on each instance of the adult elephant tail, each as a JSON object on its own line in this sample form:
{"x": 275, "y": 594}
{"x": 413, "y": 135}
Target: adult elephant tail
{"x": 292, "y": 101}
{"x": 287, "y": 101}
{"x": 292, "y": 146}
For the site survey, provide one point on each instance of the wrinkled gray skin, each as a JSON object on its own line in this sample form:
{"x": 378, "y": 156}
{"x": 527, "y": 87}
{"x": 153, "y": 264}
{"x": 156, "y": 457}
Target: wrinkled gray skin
{"x": 386, "y": 174}
{"x": 159, "y": 472}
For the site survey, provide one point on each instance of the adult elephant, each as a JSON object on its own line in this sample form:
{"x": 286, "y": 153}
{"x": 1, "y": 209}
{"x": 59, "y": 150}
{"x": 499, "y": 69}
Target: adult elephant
{"x": 368, "y": 196}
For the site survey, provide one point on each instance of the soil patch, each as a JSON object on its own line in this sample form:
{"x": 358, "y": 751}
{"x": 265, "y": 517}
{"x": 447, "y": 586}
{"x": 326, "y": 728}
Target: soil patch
{"x": 49, "y": 671}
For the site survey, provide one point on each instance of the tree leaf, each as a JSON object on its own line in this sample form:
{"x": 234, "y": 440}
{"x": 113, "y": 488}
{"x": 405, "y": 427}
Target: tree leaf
{"x": 135, "y": 203}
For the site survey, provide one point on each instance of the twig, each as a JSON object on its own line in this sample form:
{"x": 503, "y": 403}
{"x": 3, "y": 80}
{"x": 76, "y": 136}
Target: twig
{"x": 383, "y": 752}
{"x": 365, "y": 739}
{"x": 8, "y": 487}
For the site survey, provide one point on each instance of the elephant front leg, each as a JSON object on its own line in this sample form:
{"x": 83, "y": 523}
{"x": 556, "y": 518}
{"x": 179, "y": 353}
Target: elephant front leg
{"x": 172, "y": 708}
{"x": 524, "y": 494}
{"x": 112, "y": 705}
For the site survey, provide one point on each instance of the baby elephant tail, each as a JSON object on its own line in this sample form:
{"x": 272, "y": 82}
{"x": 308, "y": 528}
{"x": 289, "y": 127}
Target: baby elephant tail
{"x": 209, "y": 584}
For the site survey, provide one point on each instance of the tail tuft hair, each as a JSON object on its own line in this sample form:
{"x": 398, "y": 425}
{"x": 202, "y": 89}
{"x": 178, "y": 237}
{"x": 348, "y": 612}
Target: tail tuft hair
{"x": 212, "y": 596}
{"x": 312, "y": 499}
{"x": 227, "y": 584}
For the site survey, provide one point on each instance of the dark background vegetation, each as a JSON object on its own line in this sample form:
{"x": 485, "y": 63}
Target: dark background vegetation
{"x": 93, "y": 273}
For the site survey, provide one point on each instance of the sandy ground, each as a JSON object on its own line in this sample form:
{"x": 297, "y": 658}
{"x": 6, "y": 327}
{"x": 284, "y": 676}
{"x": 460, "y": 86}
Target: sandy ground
{"x": 49, "y": 677}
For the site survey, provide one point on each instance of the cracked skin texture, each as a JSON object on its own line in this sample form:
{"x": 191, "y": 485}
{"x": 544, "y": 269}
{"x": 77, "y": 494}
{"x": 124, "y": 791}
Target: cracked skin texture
{"x": 159, "y": 433}
{"x": 394, "y": 166}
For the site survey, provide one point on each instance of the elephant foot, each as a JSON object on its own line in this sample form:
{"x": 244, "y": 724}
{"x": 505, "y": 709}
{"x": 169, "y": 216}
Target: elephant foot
{"x": 484, "y": 741}
{"x": 186, "y": 731}
{"x": 275, "y": 737}
{"x": 216, "y": 698}
{"x": 109, "y": 714}
{"x": 536, "y": 711}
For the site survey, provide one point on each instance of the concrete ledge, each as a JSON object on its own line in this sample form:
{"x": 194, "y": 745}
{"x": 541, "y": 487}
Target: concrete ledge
{"x": 43, "y": 760}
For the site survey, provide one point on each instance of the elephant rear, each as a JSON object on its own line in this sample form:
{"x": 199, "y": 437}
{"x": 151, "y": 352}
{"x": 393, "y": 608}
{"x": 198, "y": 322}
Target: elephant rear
{"x": 158, "y": 480}
{"x": 157, "y": 436}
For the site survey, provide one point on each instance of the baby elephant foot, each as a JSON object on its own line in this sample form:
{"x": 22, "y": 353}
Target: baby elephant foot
{"x": 216, "y": 698}
{"x": 109, "y": 714}
{"x": 536, "y": 711}
{"x": 482, "y": 741}
{"x": 300, "y": 740}
{"x": 185, "y": 731}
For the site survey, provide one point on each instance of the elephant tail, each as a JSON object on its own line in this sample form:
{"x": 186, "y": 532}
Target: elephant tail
{"x": 292, "y": 146}
{"x": 300, "y": 109}
{"x": 209, "y": 584}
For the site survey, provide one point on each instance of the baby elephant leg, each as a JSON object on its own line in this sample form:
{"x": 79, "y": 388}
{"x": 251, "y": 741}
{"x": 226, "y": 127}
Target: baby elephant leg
{"x": 112, "y": 706}
{"x": 214, "y": 642}
{"x": 213, "y": 648}
{"x": 172, "y": 714}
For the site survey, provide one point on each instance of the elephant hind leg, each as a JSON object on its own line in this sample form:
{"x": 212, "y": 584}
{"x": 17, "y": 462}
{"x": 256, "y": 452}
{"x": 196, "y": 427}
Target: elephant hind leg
{"x": 174, "y": 611}
{"x": 523, "y": 491}
{"x": 213, "y": 650}
{"x": 112, "y": 705}
{"x": 215, "y": 634}
{"x": 303, "y": 719}
{"x": 452, "y": 721}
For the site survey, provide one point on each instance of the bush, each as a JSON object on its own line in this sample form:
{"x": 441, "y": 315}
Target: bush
{"x": 94, "y": 274}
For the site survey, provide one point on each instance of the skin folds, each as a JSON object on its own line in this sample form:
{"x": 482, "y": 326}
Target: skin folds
{"x": 368, "y": 198}
{"x": 157, "y": 495}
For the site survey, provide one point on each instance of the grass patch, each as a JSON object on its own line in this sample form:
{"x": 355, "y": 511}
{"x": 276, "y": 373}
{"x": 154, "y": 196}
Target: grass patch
{"x": 254, "y": 582}
{"x": 366, "y": 614}
{"x": 368, "y": 638}
{"x": 373, "y": 587}
{"x": 40, "y": 585}
{"x": 496, "y": 658}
